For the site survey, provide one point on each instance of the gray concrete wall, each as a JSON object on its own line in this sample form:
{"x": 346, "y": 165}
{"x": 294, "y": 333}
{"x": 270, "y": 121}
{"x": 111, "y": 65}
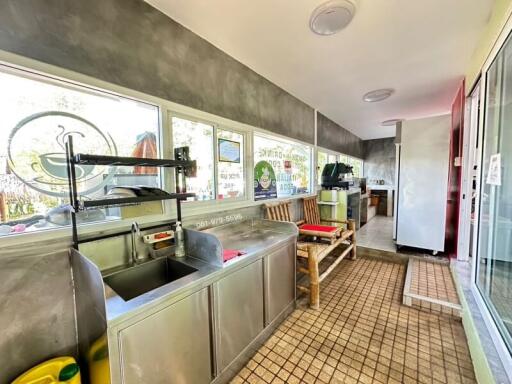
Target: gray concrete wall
{"x": 334, "y": 137}
{"x": 129, "y": 43}
{"x": 379, "y": 160}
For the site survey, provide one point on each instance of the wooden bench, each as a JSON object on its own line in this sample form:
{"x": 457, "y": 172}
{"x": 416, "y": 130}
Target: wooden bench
{"x": 314, "y": 246}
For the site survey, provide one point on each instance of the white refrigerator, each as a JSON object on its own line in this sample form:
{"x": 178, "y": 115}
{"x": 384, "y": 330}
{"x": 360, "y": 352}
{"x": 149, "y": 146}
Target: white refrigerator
{"x": 422, "y": 180}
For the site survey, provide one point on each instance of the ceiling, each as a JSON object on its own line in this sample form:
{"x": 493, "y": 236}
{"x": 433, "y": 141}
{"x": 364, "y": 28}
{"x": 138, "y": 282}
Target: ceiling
{"x": 420, "y": 48}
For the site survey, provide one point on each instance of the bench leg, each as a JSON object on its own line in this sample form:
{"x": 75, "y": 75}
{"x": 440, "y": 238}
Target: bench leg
{"x": 352, "y": 226}
{"x": 314, "y": 280}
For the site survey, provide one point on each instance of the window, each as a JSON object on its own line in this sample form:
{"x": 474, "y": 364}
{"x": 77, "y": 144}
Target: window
{"x": 494, "y": 239}
{"x": 230, "y": 165}
{"x": 38, "y": 114}
{"x": 199, "y": 138}
{"x": 356, "y": 164}
{"x": 229, "y": 152}
{"x": 323, "y": 159}
{"x": 281, "y": 168}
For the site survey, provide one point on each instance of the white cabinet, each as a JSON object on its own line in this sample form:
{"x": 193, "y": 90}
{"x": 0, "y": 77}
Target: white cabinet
{"x": 423, "y": 182}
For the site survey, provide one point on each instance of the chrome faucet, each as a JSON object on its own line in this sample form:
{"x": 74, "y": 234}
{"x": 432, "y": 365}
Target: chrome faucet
{"x": 135, "y": 232}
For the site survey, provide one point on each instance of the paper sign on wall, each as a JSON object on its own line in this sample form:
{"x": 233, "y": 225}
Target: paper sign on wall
{"x": 494, "y": 174}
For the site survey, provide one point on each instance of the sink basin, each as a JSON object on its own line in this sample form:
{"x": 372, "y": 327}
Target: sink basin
{"x": 139, "y": 279}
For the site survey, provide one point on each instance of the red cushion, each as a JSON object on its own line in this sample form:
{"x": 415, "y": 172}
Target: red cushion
{"x": 318, "y": 228}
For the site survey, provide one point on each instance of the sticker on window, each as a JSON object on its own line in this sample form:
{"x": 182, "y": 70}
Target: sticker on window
{"x": 265, "y": 185}
{"x": 494, "y": 174}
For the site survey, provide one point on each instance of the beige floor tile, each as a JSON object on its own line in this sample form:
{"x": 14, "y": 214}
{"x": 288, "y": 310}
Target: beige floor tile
{"x": 362, "y": 334}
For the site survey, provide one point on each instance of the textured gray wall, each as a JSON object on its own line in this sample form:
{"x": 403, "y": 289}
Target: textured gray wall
{"x": 379, "y": 160}
{"x": 334, "y": 137}
{"x": 129, "y": 43}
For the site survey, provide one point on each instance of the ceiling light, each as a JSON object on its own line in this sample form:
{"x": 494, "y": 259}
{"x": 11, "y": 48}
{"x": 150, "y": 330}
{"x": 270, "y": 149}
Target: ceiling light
{"x": 391, "y": 122}
{"x": 378, "y": 95}
{"x": 332, "y": 16}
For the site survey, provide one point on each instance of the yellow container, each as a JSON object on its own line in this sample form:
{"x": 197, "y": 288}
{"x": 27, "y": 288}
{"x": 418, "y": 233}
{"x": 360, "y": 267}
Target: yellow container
{"x": 99, "y": 368}
{"x": 55, "y": 371}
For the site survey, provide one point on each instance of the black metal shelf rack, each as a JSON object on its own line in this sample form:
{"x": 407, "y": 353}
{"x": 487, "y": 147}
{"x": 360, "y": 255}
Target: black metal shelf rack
{"x": 184, "y": 167}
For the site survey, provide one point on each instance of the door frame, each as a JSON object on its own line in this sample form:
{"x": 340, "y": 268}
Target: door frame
{"x": 470, "y": 156}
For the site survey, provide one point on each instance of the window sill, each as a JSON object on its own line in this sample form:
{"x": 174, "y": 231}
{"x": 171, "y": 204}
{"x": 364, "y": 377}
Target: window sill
{"x": 13, "y": 244}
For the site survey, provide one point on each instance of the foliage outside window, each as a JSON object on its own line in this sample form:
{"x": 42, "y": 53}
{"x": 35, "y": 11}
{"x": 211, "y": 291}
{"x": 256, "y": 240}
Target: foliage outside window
{"x": 199, "y": 138}
{"x": 290, "y": 162}
{"x": 357, "y": 164}
{"x": 323, "y": 159}
{"x": 37, "y": 117}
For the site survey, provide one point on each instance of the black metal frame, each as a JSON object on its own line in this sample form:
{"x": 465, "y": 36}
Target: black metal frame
{"x": 183, "y": 165}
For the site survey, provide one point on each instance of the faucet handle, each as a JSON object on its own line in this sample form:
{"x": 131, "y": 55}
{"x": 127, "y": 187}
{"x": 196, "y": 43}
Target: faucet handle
{"x": 136, "y": 228}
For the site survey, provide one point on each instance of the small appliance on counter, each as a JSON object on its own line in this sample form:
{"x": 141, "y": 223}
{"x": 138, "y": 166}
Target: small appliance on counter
{"x": 337, "y": 175}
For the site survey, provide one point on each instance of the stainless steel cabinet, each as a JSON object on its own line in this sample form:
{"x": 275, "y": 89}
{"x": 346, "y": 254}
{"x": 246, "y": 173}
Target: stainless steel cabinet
{"x": 238, "y": 300}
{"x": 170, "y": 346}
{"x": 280, "y": 281}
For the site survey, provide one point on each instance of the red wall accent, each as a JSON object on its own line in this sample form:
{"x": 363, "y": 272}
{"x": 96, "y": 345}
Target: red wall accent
{"x": 454, "y": 173}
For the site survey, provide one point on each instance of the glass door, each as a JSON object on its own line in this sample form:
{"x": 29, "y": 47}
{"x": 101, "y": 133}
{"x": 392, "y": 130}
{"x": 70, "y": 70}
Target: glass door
{"x": 494, "y": 263}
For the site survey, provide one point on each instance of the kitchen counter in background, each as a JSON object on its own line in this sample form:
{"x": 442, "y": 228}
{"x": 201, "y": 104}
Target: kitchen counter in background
{"x": 390, "y": 195}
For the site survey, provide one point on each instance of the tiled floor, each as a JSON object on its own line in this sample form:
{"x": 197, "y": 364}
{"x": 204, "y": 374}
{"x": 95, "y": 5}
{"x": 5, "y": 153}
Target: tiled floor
{"x": 377, "y": 234}
{"x": 433, "y": 280}
{"x": 362, "y": 334}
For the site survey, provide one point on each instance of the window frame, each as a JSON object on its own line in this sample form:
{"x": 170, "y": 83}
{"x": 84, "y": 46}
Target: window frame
{"x": 329, "y": 152}
{"x": 356, "y": 158}
{"x": 47, "y": 76}
{"x": 196, "y": 117}
{"x": 286, "y": 140}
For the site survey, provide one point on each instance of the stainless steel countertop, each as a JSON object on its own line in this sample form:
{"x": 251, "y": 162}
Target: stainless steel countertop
{"x": 254, "y": 237}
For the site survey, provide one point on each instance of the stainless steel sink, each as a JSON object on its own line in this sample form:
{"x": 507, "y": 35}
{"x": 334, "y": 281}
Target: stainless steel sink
{"x": 139, "y": 279}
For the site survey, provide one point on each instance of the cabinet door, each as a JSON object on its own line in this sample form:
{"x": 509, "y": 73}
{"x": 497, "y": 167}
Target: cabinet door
{"x": 239, "y": 311}
{"x": 280, "y": 280}
{"x": 171, "y": 346}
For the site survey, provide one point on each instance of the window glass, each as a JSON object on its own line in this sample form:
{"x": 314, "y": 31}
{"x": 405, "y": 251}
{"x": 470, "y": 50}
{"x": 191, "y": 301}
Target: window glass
{"x": 494, "y": 241}
{"x": 356, "y": 164}
{"x": 323, "y": 159}
{"x": 230, "y": 166}
{"x": 38, "y": 115}
{"x": 199, "y": 138}
{"x": 281, "y": 168}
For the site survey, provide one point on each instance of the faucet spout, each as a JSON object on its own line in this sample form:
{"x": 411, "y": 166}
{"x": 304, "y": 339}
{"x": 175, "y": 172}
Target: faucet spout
{"x": 135, "y": 231}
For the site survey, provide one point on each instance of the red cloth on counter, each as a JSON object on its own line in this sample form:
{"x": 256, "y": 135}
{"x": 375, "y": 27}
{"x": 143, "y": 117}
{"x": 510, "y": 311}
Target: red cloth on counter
{"x": 232, "y": 253}
{"x": 318, "y": 228}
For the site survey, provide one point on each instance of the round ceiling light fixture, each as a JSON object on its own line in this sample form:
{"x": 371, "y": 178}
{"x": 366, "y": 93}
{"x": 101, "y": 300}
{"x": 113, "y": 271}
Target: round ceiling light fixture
{"x": 331, "y": 17}
{"x": 378, "y": 95}
{"x": 391, "y": 122}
